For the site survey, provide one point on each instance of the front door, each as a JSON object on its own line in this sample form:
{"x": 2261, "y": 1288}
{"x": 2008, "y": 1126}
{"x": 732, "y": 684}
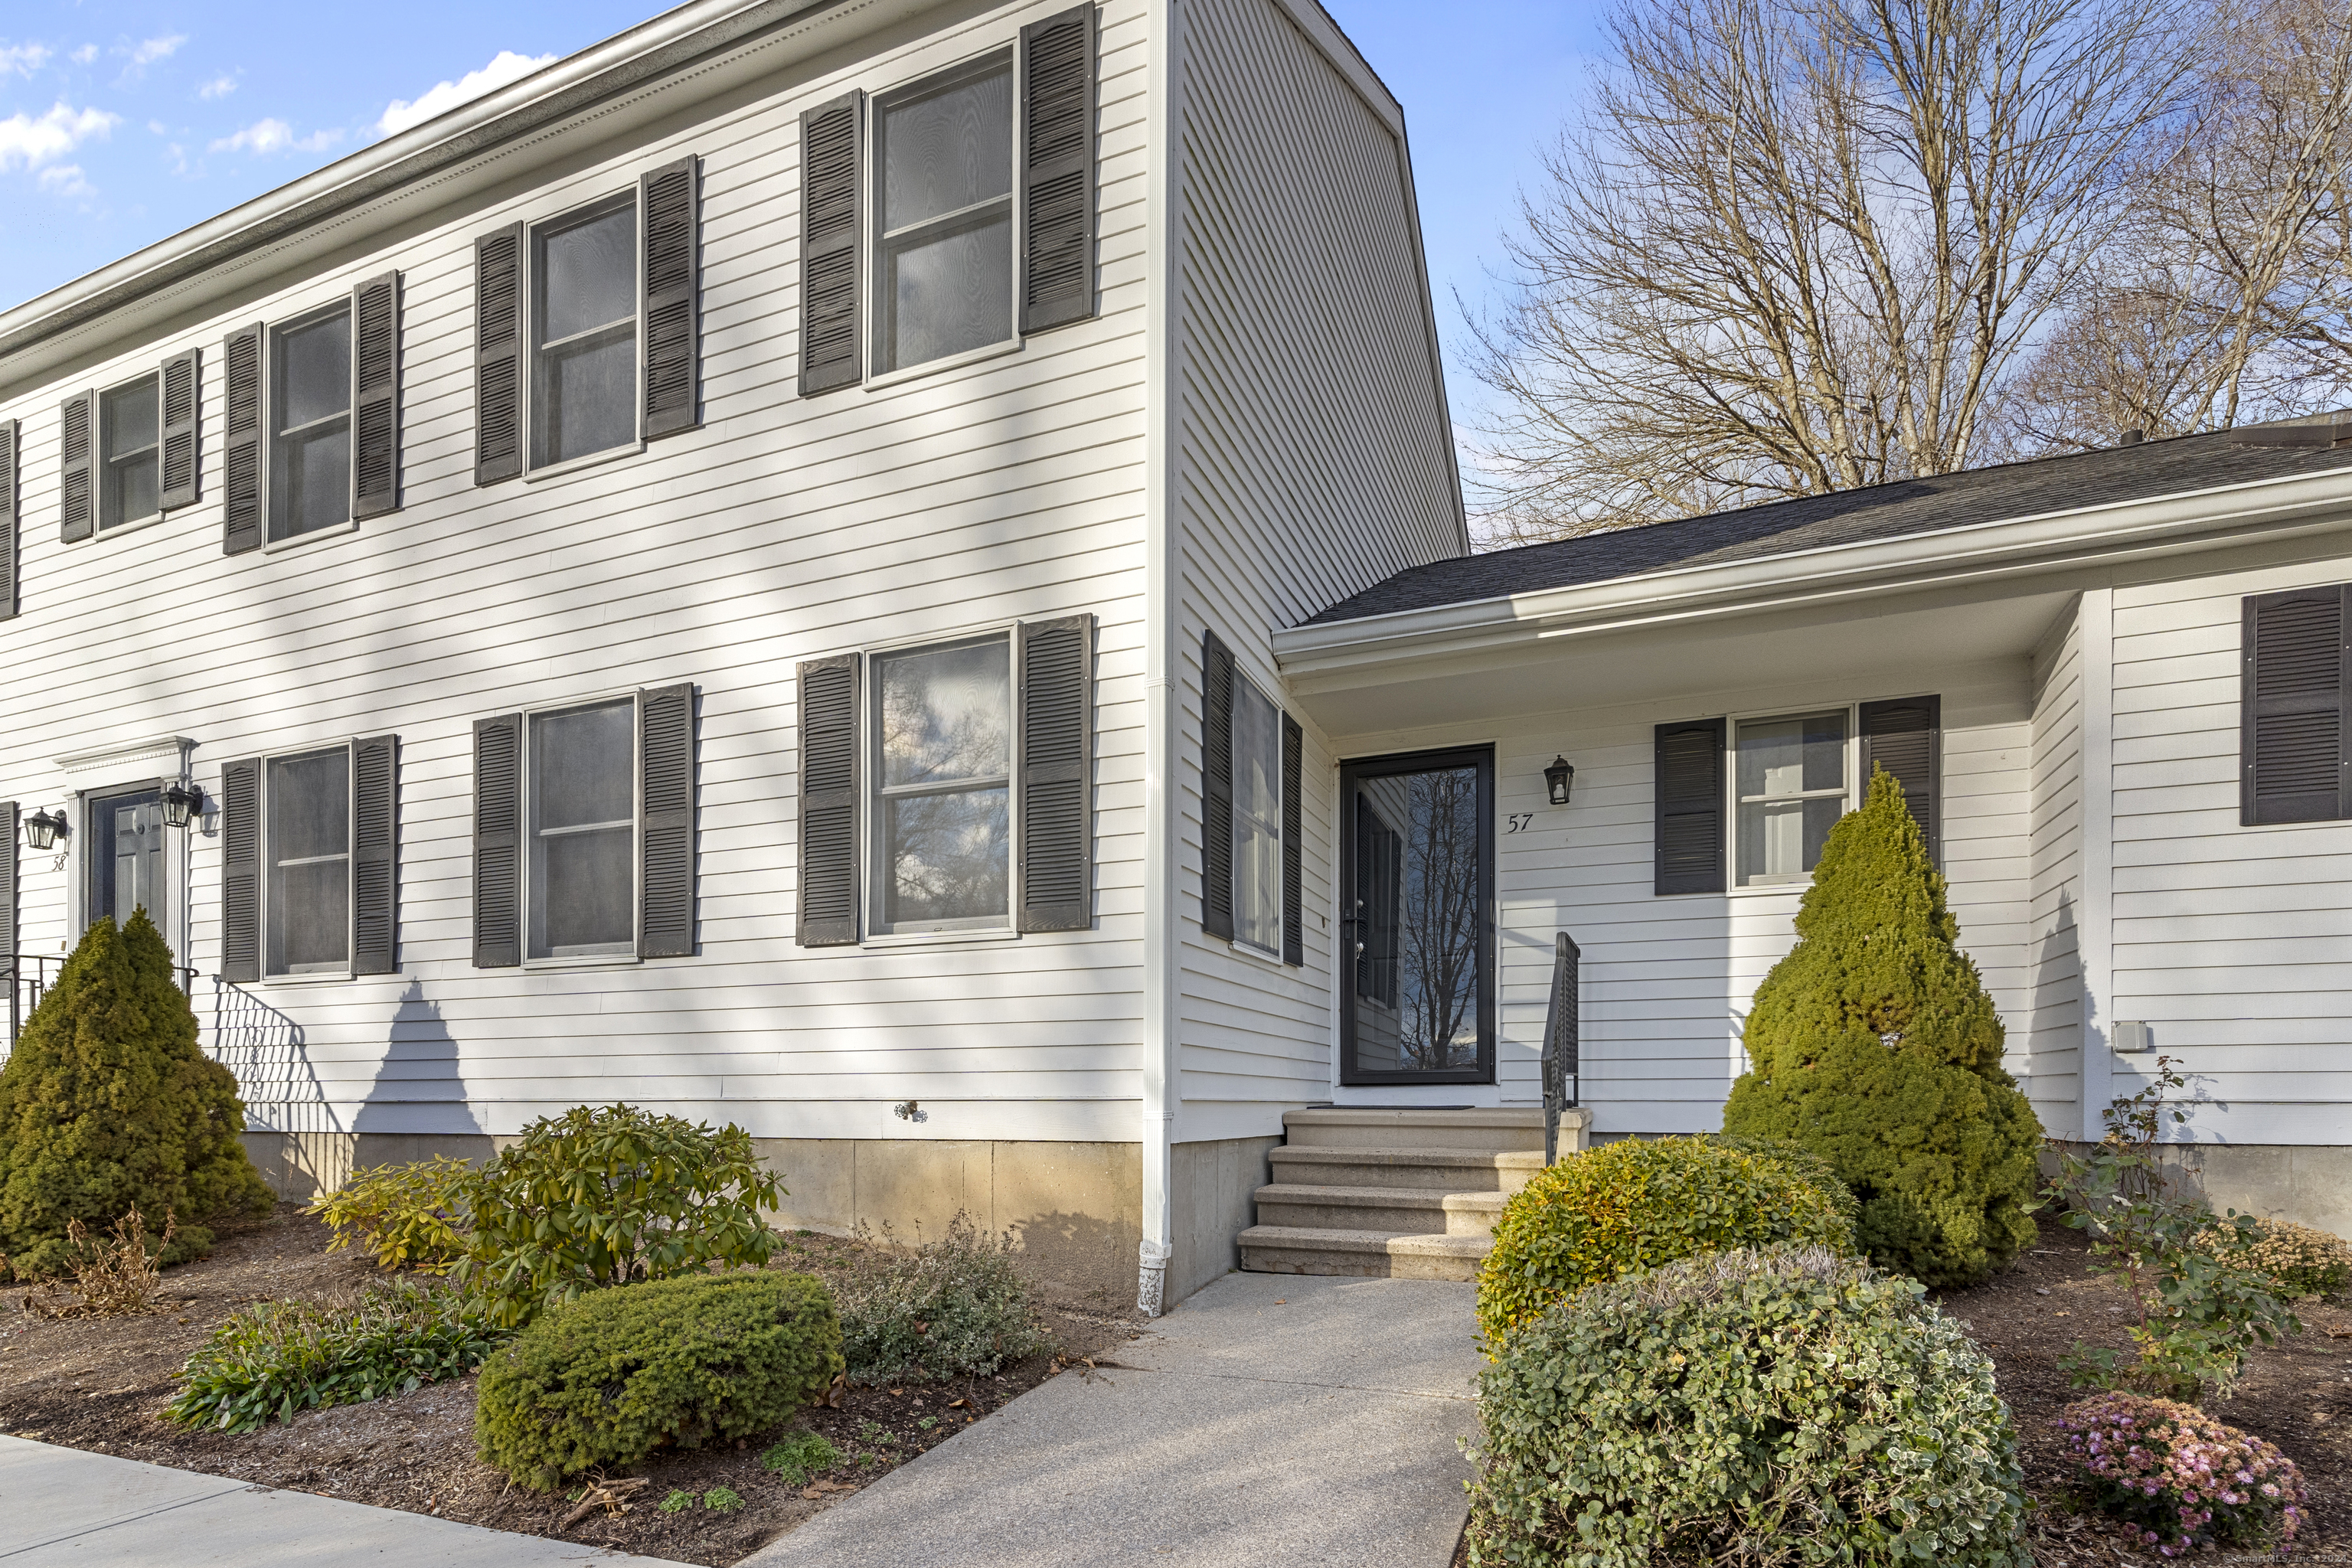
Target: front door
{"x": 1417, "y": 896}
{"x": 126, "y": 860}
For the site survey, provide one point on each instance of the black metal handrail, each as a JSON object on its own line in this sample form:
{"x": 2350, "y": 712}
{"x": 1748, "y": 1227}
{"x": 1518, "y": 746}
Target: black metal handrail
{"x": 29, "y": 977}
{"x": 1562, "y": 1081}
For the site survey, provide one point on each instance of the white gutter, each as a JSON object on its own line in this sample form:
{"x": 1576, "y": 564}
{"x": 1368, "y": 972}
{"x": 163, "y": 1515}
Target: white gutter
{"x": 1972, "y": 552}
{"x": 646, "y": 51}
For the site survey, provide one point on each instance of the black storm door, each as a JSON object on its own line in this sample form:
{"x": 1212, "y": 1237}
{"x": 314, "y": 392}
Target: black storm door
{"x": 1417, "y": 916}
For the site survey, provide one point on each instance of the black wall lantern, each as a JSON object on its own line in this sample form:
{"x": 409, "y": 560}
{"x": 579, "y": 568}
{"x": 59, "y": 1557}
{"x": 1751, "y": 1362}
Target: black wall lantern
{"x": 42, "y": 830}
{"x": 1559, "y": 776}
{"x": 179, "y": 799}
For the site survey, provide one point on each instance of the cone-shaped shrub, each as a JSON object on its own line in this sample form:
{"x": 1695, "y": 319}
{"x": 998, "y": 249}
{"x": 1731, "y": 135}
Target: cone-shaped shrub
{"x": 107, "y": 1105}
{"x": 1874, "y": 1045}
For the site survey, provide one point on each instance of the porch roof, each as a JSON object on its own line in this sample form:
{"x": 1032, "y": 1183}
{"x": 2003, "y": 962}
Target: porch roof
{"x": 1902, "y": 508}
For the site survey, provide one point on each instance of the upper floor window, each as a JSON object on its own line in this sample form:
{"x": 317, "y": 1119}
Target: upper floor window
{"x": 1793, "y": 787}
{"x": 583, "y": 358}
{"x": 130, "y": 432}
{"x": 943, "y": 783}
{"x": 943, "y": 240}
{"x": 311, "y": 423}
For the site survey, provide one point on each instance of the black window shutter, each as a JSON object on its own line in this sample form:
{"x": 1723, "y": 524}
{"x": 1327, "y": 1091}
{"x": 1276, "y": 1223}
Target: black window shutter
{"x": 669, "y": 203}
{"x": 832, "y": 241}
{"x": 375, "y": 858}
{"x": 1057, "y": 163}
{"x": 1294, "y": 827}
{"x": 1216, "y": 788}
{"x": 1057, "y": 883}
{"x": 241, "y": 871}
{"x": 2295, "y": 745}
{"x": 182, "y": 396}
{"x": 241, "y": 441}
{"x": 7, "y": 521}
{"x": 1905, "y": 736}
{"x": 375, "y": 397}
{"x": 498, "y": 841}
{"x": 497, "y": 356}
{"x": 828, "y": 915}
{"x": 665, "y": 822}
{"x": 76, "y": 492}
{"x": 8, "y": 891}
{"x": 1690, "y": 807}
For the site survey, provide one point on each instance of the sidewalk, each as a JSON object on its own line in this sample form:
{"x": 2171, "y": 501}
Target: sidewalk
{"x": 1269, "y": 1418}
{"x": 62, "y": 1505}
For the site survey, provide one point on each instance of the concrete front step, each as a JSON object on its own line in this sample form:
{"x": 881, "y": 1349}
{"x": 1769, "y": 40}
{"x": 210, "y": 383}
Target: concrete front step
{"x": 1390, "y": 1211}
{"x": 1300, "y": 1249}
{"x": 1347, "y": 1127}
{"x": 1440, "y": 1170}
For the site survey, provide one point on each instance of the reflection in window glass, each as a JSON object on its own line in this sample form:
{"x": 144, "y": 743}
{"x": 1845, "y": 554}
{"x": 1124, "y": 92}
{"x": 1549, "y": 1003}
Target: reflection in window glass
{"x": 945, "y": 157}
{"x": 583, "y": 393}
{"x": 1257, "y": 819}
{"x": 310, "y": 425}
{"x": 943, "y": 822}
{"x": 1420, "y": 916}
{"x": 128, "y": 480}
{"x": 1792, "y": 779}
{"x": 583, "y": 831}
{"x": 310, "y": 896}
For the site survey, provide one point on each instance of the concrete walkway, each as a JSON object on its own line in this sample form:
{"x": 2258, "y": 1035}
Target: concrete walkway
{"x": 62, "y": 1505}
{"x": 1269, "y": 1418}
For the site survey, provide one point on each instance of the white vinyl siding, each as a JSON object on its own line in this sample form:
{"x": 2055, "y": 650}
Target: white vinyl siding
{"x": 2053, "y": 1036}
{"x": 784, "y": 528}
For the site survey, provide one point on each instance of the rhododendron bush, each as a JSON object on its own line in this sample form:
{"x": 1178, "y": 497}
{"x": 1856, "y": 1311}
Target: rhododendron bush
{"x": 2181, "y": 1480}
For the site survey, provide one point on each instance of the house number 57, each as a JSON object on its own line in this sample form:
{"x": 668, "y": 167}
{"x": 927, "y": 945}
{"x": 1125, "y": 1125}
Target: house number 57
{"x": 1518, "y": 820}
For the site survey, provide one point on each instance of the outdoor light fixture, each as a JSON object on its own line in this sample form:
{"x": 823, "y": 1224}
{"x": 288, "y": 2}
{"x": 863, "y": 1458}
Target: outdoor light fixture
{"x": 1560, "y": 775}
{"x": 179, "y": 799}
{"x": 42, "y": 830}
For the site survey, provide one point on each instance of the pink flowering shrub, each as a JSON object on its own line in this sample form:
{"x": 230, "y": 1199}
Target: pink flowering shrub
{"x": 2179, "y": 1478}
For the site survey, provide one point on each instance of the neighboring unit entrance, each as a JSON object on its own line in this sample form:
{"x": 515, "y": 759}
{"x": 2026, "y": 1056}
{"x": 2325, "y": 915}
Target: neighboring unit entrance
{"x": 125, "y": 858}
{"x": 1416, "y": 904}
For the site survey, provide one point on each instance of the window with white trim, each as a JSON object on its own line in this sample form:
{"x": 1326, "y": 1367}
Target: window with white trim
{"x": 581, "y": 788}
{"x": 307, "y": 849}
{"x": 584, "y": 332}
{"x": 943, "y": 243}
{"x": 130, "y": 438}
{"x": 1792, "y": 779}
{"x": 311, "y": 423}
{"x": 1257, "y": 819}
{"x": 942, "y": 818}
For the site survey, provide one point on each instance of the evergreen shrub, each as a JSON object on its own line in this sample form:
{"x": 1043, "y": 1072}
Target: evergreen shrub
{"x": 1790, "y": 1406}
{"x": 1874, "y": 1044}
{"x": 107, "y": 1106}
{"x": 1637, "y": 1204}
{"x": 606, "y": 1379}
{"x": 952, "y": 1307}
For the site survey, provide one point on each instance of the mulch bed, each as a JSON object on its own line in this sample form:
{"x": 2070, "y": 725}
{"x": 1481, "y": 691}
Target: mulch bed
{"x": 98, "y": 1384}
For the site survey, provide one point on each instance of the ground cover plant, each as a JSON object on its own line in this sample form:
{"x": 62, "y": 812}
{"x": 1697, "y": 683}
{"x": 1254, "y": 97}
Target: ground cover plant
{"x": 107, "y": 1106}
{"x": 2179, "y": 1479}
{"x": 273, "y": 1358}
{"x": 1874, "y": 1044}
{"x": 1640, "y": 1203}
{"x": 2298, "y": 1261}
{"x": 951, "y": 1307}
{"x": 404, "y": 1217}
{"x": 1786, "y": 1405}
{"x": 610, "y": 1195}
{"x": 603, "y": 1381}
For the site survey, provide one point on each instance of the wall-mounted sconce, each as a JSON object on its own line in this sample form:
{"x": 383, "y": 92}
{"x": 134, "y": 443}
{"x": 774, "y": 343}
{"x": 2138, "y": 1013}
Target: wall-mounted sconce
{"x": 42, "y": 829}
{"x": 179, "y": 800}
{"x": 1557, "y": 777}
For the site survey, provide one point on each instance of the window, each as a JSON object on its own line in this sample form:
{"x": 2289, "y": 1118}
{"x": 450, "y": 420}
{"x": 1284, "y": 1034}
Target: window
{"x": 584, "y": 334}
{"x": 129, "y": 479}
{"x": 307, "y": 897}
{"x": 581, "y": 786}
{"x": 1257, "y": 820}
{"x": 310, "y": 424}
{"x": 943, "y": 787}
{"x": 943, "y": 247}
{"x": 1793, "y": 787}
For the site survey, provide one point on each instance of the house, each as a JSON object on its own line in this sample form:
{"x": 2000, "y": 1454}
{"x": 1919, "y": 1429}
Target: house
{"x": 892, "y": 573}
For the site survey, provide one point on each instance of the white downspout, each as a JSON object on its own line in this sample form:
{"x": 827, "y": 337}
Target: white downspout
{"x": 1161, "y": 924}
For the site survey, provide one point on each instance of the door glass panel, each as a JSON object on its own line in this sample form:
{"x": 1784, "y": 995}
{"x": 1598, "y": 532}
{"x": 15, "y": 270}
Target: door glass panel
{"x": 1419, "y": 922}
{"x": 126, "y": 859}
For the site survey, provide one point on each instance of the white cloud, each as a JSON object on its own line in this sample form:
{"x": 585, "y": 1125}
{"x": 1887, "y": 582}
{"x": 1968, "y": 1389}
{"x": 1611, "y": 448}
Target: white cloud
{"x": 84, "y": 55}
{"x": 36, "y": 142}
{"x": 219, "y": 86}
{"x": 24, "y": 60}
{"x": 65, "y": 180}
{"x": 443, "y": 97}
{"x": 150, "y": 50}
{"x": 266, "y": 136}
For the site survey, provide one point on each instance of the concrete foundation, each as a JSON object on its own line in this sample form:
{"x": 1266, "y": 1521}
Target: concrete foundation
{"x": 1212, "y": 1190}
{"x": 2310, "y": 1185}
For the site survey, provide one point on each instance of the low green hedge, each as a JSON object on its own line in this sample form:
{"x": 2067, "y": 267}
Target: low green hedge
{"x": 1790, "y": 1405}
{"x": 621, "y": 1371}
{"x": 1638, "y": 1203}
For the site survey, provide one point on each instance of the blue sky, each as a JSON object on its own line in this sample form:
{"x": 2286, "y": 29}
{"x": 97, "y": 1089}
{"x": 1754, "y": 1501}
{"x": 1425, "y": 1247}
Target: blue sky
{"x": 123, "y": 122}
